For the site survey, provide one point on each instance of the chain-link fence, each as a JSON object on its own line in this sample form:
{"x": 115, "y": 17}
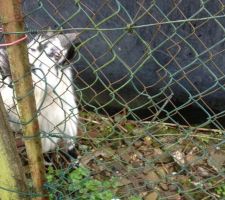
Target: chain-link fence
{"x": 148, "y": 81}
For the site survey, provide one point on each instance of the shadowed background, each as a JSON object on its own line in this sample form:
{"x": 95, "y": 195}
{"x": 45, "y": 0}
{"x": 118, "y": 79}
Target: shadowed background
{"x": 147, "y": 56}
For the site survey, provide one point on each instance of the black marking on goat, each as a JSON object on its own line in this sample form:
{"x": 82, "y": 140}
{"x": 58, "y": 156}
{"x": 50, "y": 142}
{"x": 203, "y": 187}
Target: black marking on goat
{"x": 41, "y": 47}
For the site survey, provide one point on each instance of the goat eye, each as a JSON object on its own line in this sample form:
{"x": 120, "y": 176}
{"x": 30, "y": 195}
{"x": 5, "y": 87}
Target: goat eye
{"x": 32, "y": 49}
{"x": 50, "y": 55}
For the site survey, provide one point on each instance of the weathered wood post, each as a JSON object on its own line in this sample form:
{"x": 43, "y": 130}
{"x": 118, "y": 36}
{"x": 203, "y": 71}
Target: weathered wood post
{"x": 12, "y": 21}
{"x": 12, "y": 177}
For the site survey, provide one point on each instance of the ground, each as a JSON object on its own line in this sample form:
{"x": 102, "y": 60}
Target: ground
{"x": 149, "y": 160}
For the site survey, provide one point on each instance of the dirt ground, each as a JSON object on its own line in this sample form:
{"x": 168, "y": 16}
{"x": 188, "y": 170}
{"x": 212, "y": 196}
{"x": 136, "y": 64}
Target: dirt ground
{"x": 152, "y": 160}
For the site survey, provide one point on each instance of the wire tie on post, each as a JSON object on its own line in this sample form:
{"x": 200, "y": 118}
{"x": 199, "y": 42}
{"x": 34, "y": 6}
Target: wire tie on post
{"x": 14, "y": 42}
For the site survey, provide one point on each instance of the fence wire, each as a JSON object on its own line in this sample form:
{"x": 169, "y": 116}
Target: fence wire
{"x": 148, "y": 79}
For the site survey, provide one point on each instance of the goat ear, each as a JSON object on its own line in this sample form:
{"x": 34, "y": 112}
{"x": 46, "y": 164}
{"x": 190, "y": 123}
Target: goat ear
{"x": 47, "y": 35}
{"x": 60, "y": 31}
{"x": 51, "y": 33}
{"x": 67, "y": 39}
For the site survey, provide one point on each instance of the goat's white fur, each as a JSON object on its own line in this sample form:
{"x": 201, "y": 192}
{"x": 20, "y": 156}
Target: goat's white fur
{"x": 53, "y": 91}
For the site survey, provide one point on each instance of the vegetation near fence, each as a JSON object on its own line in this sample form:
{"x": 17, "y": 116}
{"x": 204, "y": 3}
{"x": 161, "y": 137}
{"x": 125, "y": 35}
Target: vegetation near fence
{"x": 126, "y": 97}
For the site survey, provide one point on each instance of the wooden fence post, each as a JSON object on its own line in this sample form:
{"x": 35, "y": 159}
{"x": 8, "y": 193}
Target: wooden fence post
{"x": 12, "y": 177}
{"x": 12, "y": 21}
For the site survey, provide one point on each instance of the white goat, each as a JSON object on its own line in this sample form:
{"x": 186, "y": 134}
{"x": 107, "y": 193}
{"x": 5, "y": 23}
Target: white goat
{"x": 55, "y": 99}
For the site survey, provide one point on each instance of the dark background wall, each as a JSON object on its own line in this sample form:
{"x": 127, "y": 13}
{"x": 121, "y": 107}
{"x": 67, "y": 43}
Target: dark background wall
{"x": 179, "y": 64}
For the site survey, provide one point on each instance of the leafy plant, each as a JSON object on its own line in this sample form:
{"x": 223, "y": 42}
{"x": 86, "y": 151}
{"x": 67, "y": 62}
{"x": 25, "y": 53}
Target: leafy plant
{"x": 220, "y": 190}
{"x": 135, "y": 198}
{"x": 79, "y": 184}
